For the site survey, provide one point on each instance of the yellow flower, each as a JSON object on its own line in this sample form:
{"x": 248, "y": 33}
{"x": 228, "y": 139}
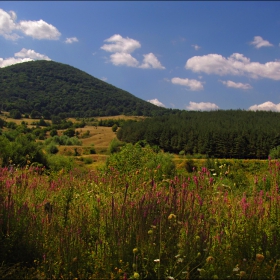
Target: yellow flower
{"x": 135, "y": 250}
{"x": 171, "y": 216}
{"x": 136, "y": 275}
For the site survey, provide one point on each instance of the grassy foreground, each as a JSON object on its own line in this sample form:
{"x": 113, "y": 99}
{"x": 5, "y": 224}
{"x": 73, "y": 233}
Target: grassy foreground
{"x": 109, "y": 225}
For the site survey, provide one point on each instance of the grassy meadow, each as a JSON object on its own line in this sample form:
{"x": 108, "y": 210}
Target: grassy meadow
{"x": 109, "y": 225}
{"x": 129, "y": 219}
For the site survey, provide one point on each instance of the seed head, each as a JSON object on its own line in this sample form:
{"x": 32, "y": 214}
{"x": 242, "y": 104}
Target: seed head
{"x": 259, "y": 257}
{"x": 210, "y": 259}
{"x": 242, "y": 273}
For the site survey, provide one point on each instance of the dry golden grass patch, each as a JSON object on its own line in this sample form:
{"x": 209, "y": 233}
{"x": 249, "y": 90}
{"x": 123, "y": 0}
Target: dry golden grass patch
{"x": 18, "y": 122}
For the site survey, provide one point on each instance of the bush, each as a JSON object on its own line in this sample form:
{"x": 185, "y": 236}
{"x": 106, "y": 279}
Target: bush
{"x": 275, "y": 153}
{"x": 57, "y": 163}
{"x": 134, "y": 158}
{"x": 15, "y": 114}
{"x": 114, "y": 146}
{"x": 52, "y": 149}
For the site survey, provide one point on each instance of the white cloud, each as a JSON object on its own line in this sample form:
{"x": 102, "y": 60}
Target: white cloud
{"x": 122, "y": 49}
{"x": 24, "y": 53}
{"x": 120, "y": 44}
{"x": 22, "y": 56}
{"x": 36, "y": 29}
{"x": 196, "y": 47}
{"x": 202, "y": 106}
{"x": 71, "y": 40}
{"x": 39, "y": 29}
{"x": 192, "y": 84}
{"x": 104, "y": 79}
{"x": 124, "y": 59}
{"x": 266, "y": 106}
{"x": 156, "y": 102}
{"x": 7, "y": 25}
{"x": 260, "y": 42}
{"x": 12, "y": 60}
{"x": 150, "y": 61}
{"x": 236, "y": 85}
{"x": 236, "y": 64}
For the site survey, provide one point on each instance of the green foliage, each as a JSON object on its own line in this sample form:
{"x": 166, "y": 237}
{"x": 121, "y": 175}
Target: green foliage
{"x": 20, "y": 150}
{"x": 218, "y": 134}
{"x": 57, "y": 163}
{"x": 52, "y": 148}
{"x": 11, "y": 125}
{"x": 15, "y": 114}
{"x": 114, "y": 127}
{"x": 35, "y": 114}
{"x": 70, "y": 132}
{"x": 48, "y": 89}
{"x": 275, "y": 153}
{"x": 63, "y": 140}
{"x": 53, "y": 132}
{"x": 2, "y": 123}
{"x": 134, "y": 158}
{"x": 114, "y": 146}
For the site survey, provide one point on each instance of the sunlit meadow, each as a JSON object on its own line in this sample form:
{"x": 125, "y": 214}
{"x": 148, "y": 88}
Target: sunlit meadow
{"x": 111, "y": 225}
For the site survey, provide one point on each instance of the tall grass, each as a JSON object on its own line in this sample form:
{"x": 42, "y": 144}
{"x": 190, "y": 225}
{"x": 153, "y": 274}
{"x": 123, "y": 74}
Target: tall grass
{"x": 106, "y": 225}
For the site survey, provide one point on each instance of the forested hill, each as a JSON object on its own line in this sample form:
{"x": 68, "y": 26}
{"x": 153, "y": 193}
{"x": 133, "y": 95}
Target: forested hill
{"x": 221, "y": 134}
{"x": 53, "y": 88}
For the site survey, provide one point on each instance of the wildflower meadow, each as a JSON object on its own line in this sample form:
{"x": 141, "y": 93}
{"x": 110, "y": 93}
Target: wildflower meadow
{"x": 107, "y": 224}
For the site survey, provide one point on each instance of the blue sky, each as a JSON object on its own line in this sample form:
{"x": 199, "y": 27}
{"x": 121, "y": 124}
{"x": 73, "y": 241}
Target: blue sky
{"x": 184, "y": 55}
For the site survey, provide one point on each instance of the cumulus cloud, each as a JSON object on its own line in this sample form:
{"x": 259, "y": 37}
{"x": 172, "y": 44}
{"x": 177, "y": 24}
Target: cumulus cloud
{"x": 196, "y": 47}
{"x": 22, "y": 56}
{"x": 259, "y": 42}
{"x": 120, "y": 44}
{"x": 122, "y": 49}
{"x": 8, "y": 25}
{"x": 236, "y": 85}
{"x": 71, "y": 40}
{"x": 266, "y": 106}
{"x": 192, "y": 84}
{"x": 124, "y": 59}
{"x": 237, "y": 64}
{"x": 202, "y": 106}
{"x": 150, "y": 61}
{"x": 156, "y": 102}
{"x": 39, "y": 30}
{"x": 36, "y": 29}
{"x": 24, "y": 53}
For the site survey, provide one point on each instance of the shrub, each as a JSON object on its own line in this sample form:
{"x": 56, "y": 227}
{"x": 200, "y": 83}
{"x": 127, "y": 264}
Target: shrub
{"x": 134, "y": 158}
{"x": 275, "y": 153}
{"x": 52, "y": 149}
{"x": 114, "y": 146}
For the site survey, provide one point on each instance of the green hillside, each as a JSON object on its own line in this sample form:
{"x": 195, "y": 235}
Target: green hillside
{"x": 53, "y": 88}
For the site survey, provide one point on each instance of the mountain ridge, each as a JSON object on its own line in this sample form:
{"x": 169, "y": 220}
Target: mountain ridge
{"x": 53, "y": 88}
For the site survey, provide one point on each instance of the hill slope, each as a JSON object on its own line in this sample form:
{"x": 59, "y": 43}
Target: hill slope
{"x": 52, "y": 88}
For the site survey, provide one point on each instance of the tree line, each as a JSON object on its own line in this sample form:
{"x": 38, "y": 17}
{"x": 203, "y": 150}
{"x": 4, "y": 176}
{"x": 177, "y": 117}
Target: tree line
{"x": 219, "y": 134}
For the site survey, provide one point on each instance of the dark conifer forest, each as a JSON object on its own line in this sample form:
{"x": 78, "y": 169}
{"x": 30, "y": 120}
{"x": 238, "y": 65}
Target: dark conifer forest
{"x": 219, "y": 134}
